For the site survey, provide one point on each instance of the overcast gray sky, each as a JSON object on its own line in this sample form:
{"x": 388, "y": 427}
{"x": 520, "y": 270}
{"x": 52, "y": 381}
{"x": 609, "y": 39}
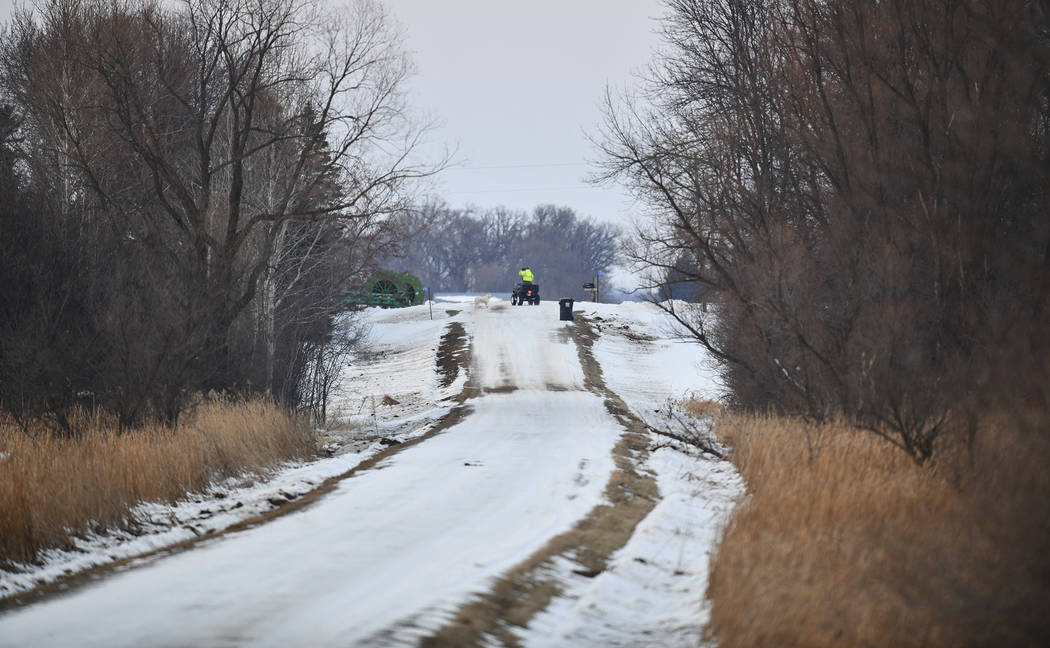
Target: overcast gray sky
{"x": 516, "y": 85}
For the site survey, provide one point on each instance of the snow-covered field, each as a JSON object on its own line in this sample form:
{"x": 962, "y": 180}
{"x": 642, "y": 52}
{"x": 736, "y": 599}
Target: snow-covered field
{"x": 389, "y": 554}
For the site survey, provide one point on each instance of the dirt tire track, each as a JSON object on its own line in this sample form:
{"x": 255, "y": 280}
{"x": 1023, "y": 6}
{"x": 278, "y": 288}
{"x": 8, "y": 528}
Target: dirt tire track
{"x": 453, "y": 354}
{"x": 528, "y": 588}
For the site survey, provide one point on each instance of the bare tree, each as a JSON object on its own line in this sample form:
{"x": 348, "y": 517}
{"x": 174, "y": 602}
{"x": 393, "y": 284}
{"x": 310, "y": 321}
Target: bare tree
{"x": 464, "y": 250}
{"x": 237, "y": 145}
{"x": 862, "y": 186}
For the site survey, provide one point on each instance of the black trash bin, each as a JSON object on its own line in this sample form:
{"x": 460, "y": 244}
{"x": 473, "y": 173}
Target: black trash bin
{"x": 566, "y": 309}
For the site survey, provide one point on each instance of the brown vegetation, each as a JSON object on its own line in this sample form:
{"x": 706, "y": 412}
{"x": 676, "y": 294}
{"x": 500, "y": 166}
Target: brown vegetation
{"x": 844, "y": 541}
{"x": 862, "y": 187}
{"x": 703, "y": 408}
{"x": 55, "y": 488}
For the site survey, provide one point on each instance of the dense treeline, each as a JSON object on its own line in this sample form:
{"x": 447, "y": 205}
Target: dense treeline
{"x": 454, "y": 250}
{"x": 187, "y": 190}
{"x": 864, "y": 186}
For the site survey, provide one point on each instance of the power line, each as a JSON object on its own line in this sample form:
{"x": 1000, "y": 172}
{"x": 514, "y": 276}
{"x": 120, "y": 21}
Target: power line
{"x": 537, "y": 165}
{"x": 523, "y": 189}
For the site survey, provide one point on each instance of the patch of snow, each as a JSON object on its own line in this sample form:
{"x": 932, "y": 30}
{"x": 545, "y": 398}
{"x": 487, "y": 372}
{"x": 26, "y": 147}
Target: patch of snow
{"x": 163, "y": 525}
{"x": 388, "y": 556}
{"x": 353, "y": 437}
{"x": 652, "y": 591}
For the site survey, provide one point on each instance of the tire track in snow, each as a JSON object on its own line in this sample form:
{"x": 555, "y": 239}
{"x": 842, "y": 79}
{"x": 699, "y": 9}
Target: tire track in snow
{"x": 453, "y": 356}
{"x": 528, "y": 588}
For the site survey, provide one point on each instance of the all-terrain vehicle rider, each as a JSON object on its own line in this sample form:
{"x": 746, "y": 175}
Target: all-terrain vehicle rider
{"x": 526, "y": 291}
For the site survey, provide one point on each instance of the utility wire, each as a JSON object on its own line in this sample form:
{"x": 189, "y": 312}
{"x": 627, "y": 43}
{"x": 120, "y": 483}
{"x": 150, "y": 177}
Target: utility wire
{"x": 538, "y": 165}
{"x": 523, "y": 189}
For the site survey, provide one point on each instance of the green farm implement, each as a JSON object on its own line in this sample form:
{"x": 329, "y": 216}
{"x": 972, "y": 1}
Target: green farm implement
{"x": 388, "y": 290}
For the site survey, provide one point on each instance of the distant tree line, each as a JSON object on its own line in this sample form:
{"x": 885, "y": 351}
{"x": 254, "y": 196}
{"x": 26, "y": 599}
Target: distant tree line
{"x": 864, "y": 189}
{"x": 467, "y": 250}
{"x": 186, "y": 190}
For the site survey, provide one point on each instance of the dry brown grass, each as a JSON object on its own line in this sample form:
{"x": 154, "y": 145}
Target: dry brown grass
{"x": 844, "y": 541}
{"x": 53, "y": 489}
{"x": 701, "y": 408}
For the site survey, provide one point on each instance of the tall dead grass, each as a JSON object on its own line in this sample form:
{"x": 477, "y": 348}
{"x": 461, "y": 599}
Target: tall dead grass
{"x": 54, "y": 489}
{"x": 845, "y": 541}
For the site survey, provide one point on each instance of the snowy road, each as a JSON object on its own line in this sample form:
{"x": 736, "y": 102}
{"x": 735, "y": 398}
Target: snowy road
{"x": 392, "y": 552}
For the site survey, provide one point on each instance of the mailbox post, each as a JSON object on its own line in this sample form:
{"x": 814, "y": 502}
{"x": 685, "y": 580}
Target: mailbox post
{"x": 591, "y": 288}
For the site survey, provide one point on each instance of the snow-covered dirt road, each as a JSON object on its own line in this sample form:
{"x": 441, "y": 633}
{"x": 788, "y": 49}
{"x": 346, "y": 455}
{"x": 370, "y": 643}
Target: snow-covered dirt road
{"x": 388, "y": 556}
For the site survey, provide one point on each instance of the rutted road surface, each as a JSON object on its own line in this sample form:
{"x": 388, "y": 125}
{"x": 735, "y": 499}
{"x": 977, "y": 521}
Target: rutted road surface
{"x": 388, "y": 556}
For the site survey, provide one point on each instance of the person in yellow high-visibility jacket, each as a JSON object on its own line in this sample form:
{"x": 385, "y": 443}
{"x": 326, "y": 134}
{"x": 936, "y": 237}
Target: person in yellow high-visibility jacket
{"x": 526, "y": 275}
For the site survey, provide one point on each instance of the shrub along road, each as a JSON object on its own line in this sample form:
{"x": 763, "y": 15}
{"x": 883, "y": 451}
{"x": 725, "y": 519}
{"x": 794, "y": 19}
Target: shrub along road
{"x": 534, "y": 512}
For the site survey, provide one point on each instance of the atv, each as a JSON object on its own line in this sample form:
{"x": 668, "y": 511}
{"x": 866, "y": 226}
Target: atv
{"x": 525, "y": 292}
